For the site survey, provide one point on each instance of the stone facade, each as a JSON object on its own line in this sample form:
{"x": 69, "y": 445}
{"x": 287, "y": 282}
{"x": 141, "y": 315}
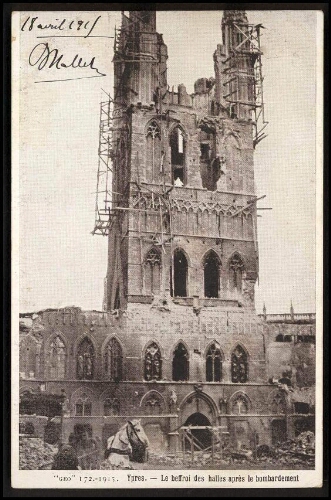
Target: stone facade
{"x": 179, "y": 341}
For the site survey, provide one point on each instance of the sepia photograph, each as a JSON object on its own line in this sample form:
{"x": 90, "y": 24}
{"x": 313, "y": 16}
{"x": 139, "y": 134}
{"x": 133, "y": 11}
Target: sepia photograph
{"x": 167, "y": 238}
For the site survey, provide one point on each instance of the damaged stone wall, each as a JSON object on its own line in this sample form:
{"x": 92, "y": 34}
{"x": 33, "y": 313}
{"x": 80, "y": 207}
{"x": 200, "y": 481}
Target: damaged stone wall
{"x": 291, "y": 352}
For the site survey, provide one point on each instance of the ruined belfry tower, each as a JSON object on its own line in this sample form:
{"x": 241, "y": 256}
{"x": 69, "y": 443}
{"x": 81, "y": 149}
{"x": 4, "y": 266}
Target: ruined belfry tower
{"x": 181, "y": 223}
{"x": 183, "y": 211}
{"x": 178, "y": 342}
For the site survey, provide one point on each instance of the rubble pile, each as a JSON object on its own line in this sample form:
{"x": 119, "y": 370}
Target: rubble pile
{"x": 299, "y": 451}
{"x": 34, "y": 453}
{"x": 296, "y": 453}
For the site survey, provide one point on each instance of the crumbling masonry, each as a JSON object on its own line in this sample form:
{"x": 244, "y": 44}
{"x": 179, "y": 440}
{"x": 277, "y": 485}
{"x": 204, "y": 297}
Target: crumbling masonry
{"x": 178, "y": 342}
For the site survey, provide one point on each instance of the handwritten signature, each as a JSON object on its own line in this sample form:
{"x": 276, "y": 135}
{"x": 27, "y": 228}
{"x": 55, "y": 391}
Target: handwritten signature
{"x": 42, "y": 57}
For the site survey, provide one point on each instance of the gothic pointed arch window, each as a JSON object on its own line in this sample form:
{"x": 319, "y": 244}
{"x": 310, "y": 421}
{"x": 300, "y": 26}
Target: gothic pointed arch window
{"x": 239, "y": 365}
{"x": 178, "y": 278}
{"x": 153, "y": 151}
{"x": 111, "y": 406}
{"x": 209, "y": 162}
{"x": 178, "y": 146}
{"x": 85, "y": 360}
{"x": 211, "y": 275}
{"x": 83, "y": 406}
{"x": 278, "y": 404}
{"x": 153, "y": 362}
{"x": 113, "y": 360}
{"x": 236, "y": 269}
{"x": 29, "y": 354}
{"x": 180, "y": 364}
{"x": 240, "y": 405}
{"x": 213, "y": 364}
{"x": 153, "y": 272}
{"x": 57, "y": 358}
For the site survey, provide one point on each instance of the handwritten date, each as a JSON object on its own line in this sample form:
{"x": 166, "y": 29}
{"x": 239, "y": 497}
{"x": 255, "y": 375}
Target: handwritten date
{"x": 31, "y": 24}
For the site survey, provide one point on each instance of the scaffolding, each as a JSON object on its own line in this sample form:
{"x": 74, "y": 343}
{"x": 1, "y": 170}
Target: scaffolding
{"x": 105, "y": 168}
{"x": 248, "y": 47}
{"x": 219, "y": 438}
{"x": 126, "y": 52}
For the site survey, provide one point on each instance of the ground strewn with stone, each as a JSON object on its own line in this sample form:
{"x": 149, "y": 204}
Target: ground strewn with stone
{"x": 34, "y": 453}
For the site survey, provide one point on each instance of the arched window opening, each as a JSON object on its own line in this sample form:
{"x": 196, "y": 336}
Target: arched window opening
{"x": 153, "y": 272}
{"x": 213, "y": 364}
{"x": 153, "y": 151}
{"x": 29, "y": 357}
{"x": 278, "y": 404}
{"x": 57, "y": 359}
{"x": 180, "y": 364}
{"x": 153, "y": 404}
{"x": 209, "y": 162}
{"x": 211, "y": 275}
{"x": 85, "y": 360}
{"x": 153, "y": 362}
{"x": 177, "y": 145}
{"x": 111, "y": 406}
{"x": 113, "y": 360}
{"x": 239, "y": 365}
{"x": 83, "y": 406}
{"x": 240, "y": 406}
{"x": 179, "y": 287}
{"x": 236, "y": 272}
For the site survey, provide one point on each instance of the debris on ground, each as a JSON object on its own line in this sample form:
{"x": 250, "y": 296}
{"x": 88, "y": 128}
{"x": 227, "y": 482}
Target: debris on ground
{"x": 34, "y": 453}
{"x": 298, "y": 451}
{"x": 289, "y": 455}
{"x": 241, "y": 455}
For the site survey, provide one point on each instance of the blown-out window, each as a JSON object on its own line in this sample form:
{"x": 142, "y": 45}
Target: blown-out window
{"x": 177, "y": 145}
{"x": 178, "y": 276}
{"x": 180, "y": 364}
{"x": 209, "y": 162}
{"x": 57, "y": 359}
{"x": 211, "y": 275}
{"x": 85, "y": 360}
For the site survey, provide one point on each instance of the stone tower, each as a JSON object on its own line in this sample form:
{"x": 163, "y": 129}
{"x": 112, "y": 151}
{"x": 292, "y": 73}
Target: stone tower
{"x": 183, "y": 253}
{"x": 184, "y": 207}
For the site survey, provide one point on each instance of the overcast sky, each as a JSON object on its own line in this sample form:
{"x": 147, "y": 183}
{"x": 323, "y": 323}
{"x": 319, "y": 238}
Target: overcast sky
{"x": 61, "y": 263}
